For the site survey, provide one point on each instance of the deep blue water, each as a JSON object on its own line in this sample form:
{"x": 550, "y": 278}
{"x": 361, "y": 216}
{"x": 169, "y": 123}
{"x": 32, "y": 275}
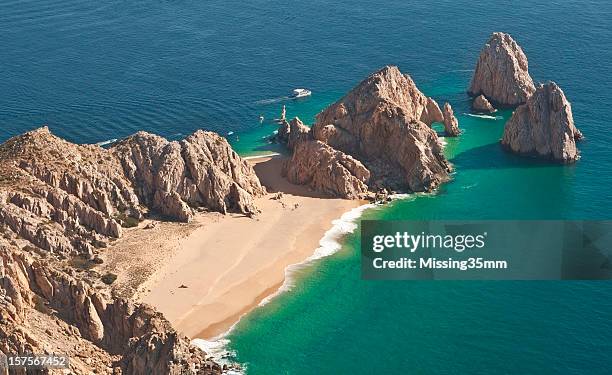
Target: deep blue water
{"x": 99, "y": 70}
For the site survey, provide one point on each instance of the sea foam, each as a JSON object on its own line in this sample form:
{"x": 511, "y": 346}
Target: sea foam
{"x": 108, "y": 142}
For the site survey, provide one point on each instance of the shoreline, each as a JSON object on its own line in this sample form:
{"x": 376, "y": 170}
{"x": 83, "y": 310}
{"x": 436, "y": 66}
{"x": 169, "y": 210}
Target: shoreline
{"x": 213, "y": 278}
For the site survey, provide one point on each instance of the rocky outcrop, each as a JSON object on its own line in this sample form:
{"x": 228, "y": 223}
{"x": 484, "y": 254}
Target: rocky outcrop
{"x": 502, "y": 72}
{"x": 385, "y": 123}
{"x": 451, "y": 125}
{"x": 482, "y": 105}
{"x": 199, "y": 171}
{"x": 60, "y": 203}
{"x": 327, "y": 170}
{"x": 544, "y": 126}
{"x": 86, "y": 323}
{"x": 298, "y": 132}
{"x": 68, "y": 198}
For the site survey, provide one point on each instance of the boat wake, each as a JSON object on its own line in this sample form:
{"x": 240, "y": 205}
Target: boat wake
{"x": 273, "y": 100}
{"x": 488, "y": 117}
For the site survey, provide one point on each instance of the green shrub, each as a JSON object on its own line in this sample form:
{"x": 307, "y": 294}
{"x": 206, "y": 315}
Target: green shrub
{"x": 109, "y": 278}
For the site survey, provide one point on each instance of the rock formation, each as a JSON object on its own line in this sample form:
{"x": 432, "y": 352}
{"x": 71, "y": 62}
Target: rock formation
{"x": 385, "y": 123}
{"x": 544, "y": 126}
{"x": 298, "y": 132}
{"x": 200, "y": 171}
{"x": 61, "y": 202}
{"x": 69, "y": 198}
{"x": 327, "y": 170}
{"x": 482, "y": 105}
{"x": 502, "y": 72}
{"x": 451, "y": 125}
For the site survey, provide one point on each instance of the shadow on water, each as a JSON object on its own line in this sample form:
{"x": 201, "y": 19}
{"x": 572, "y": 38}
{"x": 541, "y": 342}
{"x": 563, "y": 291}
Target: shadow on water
{"x": 493, "y": 156}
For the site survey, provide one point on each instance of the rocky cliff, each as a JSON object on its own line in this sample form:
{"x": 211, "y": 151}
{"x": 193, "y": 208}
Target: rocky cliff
{"x": 384, "y": 122}
{"x": 200, "y": 171}
{"x": 61, "y": 204}
{"x": 544, "y": 126}
{"x": 502, "y": 72}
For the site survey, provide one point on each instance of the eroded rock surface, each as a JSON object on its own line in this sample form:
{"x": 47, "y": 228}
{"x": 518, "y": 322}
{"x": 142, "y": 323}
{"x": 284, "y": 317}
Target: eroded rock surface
{"x": 544, "y": 126}
{"x": 327, "y": 170}
{"x": 200, "y": 171}
{"x": 385, "y": 123}
{"x": 60, "y": 203}
{"x": 502, "y": 72}
{"x": 451, "y": 125}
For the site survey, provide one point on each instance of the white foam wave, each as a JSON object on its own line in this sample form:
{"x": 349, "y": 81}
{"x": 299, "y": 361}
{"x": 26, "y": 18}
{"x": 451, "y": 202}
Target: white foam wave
{"x": 108, "y": 142}
{"x": 488, "y": 117}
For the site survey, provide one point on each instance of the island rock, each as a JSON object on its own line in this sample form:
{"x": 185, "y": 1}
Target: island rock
{"x": 482, "y": 105}
{"x": 502, "y": 72}
{"x": 544, "y": 126}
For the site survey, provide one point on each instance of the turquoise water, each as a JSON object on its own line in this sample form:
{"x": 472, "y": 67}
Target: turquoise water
{"x": 101, "y": 70}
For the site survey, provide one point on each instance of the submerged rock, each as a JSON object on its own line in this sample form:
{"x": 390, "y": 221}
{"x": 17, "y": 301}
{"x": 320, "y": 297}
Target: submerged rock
{"x": 482, "y": 105}
{"x": 502, "y": 72}
{"x": 544, "y": 126}
{"x": 451, "y": 125}
{"x": 385, "y": 123}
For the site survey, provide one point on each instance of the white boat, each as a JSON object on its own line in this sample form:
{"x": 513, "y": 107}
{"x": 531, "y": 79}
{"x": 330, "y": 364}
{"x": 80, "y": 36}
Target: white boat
{"x": 300, "y": 93}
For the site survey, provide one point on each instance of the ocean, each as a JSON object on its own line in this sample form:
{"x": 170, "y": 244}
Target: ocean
{"x": 97, "y": 71}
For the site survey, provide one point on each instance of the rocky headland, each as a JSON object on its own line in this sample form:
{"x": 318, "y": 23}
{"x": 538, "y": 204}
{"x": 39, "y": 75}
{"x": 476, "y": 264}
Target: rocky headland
{"x": 502, "y": 73}
{"x": 61, "y": 204}
{"x": 544, "y": 126}
{"x": 378, "y": 136}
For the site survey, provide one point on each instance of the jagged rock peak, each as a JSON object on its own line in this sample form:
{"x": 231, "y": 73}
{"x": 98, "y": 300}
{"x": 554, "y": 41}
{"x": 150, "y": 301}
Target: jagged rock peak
{"x": 200, "y": 171}
{"x": 66, "y": 198}
{"x": 544, "y": 126}
{"x": 502, "y": 72}
{"x": 384, "y": 122}
{"x": 451, "y": 125}
{"x": 390, "y": 85}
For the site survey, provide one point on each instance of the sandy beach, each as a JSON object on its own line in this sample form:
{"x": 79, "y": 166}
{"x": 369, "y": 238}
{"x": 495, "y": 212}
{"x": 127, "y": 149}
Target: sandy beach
{"x": 206, "y": 275}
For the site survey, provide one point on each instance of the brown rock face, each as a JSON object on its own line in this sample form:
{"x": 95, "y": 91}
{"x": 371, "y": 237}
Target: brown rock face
{"x": 451, "y": 125}
{"x": 326, "y": 170}
{"x": 199, "y": 171}
{"x": 385, "y": 123}
{"x": 61, "y": 202}
{"x": 298, "y": 132}
{"x": 69, "y": 198}
{"x": 482, "y": 105}
{"x": 86, "y": 324}
{"x": 502, "y": 72}
{"x": 544, "y": 126}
